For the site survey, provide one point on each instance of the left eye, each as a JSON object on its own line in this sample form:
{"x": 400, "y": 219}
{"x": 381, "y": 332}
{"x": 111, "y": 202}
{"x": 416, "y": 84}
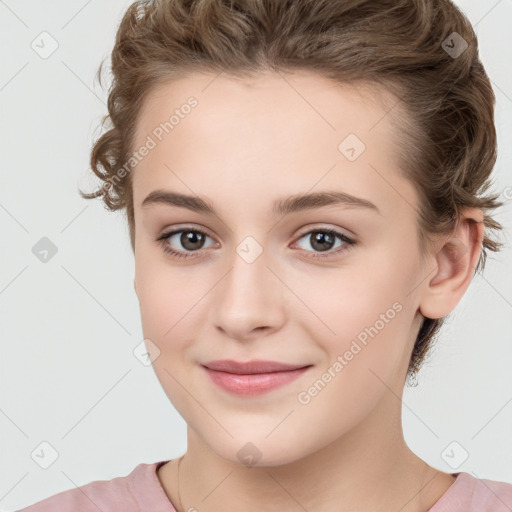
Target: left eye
{"x": 323, "y": 240}
{"x": 192, "y": 240}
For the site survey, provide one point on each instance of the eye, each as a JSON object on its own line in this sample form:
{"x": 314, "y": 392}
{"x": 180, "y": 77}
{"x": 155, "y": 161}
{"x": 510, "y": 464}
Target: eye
{"x": 323, "y": 240}
{"x": 191, "y": 239}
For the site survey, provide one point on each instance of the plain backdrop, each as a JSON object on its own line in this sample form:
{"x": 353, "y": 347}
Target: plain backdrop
{"x": 70, "y": 384}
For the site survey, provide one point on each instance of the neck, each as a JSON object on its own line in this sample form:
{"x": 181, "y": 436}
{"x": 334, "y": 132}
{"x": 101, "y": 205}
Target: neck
{"x": 367, "y": 468}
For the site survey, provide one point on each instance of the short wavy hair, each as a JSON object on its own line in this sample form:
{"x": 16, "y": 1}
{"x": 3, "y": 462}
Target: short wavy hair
{"x": 424, "y": 51}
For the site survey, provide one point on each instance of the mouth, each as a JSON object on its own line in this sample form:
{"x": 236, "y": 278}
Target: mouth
{"x": 253, "y": 377}
{"x": 252, "y": 367}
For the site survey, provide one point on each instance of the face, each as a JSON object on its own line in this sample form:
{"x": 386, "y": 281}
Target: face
{"x": 333, "y": 286}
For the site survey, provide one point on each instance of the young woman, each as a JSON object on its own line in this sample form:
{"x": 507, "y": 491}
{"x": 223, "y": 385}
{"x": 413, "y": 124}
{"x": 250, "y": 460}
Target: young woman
{"x": 305, "y": 185}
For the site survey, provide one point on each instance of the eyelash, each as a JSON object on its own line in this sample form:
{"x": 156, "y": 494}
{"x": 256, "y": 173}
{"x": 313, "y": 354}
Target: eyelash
{"x": 348, "y": 242}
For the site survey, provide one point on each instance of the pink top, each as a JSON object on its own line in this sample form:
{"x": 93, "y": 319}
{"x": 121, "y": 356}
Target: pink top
{"x": 141, "y": 491}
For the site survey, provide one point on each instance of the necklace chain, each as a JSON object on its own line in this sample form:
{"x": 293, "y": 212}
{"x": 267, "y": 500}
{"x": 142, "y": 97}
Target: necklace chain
{"x": 179, "y": 498}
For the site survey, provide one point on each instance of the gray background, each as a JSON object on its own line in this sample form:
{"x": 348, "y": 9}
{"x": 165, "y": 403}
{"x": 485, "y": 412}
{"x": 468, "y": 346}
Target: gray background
{"x": 68, "y": 375}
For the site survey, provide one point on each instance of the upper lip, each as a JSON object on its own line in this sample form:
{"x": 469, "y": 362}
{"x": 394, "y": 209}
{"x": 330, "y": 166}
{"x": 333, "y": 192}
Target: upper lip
{"x": 250, "y": 367}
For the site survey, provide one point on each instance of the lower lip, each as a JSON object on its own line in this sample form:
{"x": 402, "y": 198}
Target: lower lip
{"x": 253, "y": 384}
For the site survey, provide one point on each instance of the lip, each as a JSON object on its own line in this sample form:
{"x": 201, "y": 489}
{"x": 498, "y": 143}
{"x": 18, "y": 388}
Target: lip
{"x": 252, "y": 377}
{"x": 251, "y": 367}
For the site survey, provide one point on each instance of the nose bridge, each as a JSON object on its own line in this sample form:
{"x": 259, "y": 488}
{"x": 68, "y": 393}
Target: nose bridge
{"x": 248, "y": 280}
{"x": 248, "y": 296}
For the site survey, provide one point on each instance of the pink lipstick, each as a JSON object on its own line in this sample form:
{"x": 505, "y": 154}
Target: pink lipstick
{"x": 252, "y": 377}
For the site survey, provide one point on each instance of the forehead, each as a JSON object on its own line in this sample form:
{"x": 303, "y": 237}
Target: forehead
{"x": 267, "y": 98}
{"x": 277, "y": 132}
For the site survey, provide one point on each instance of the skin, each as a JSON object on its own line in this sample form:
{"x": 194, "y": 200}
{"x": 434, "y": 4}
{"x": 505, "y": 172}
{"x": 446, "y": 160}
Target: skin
{"x": 247, "y": 143}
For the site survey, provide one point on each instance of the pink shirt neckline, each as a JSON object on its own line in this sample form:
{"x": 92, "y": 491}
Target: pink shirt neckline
{"x": 451, "y": 495}
{"x": 451, "y": 492}
{"x": 141, "y": 490}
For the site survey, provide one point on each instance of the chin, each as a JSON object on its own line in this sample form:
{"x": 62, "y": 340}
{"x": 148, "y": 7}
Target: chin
{"x": 256, "y": 451}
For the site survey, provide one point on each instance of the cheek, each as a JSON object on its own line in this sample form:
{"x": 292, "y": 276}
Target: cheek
{"x": 158, "y": 305}
{"x": 163, "y": 296}
{"x": 345, "y": 300}
{"x": 169, "y": 308}
{"x": 361, "y": 314}
{"x": 364, "y": 354}
{"x": 174, "y": 305}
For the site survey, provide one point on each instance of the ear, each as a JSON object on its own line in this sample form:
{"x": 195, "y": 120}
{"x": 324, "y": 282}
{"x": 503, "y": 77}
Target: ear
{"x": 455, "y": 260}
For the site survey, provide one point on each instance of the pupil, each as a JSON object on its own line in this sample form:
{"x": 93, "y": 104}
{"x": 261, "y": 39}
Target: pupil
{"x": 322, "y": 239}
{"x": 191, "y": 237}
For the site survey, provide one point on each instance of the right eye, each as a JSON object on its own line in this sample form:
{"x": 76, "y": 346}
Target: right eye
{"x": 192, "y": 239}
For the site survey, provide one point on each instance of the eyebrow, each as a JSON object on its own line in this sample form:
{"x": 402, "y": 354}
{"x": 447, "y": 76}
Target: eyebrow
{"x": 281, "y": 207}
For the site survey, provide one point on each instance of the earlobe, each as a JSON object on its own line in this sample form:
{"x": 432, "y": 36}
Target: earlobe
{"x": 455, "y": 264}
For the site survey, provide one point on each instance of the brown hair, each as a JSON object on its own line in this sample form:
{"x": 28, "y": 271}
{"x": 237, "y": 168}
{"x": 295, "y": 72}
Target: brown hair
{"x": 407, "y": 46}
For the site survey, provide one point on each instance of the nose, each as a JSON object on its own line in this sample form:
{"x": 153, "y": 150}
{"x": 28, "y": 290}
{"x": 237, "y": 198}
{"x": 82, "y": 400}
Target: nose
{"x": 250, "y": 299}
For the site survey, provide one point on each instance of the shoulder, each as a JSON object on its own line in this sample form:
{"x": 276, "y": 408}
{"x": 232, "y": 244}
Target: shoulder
{"x": 124, "y": 493}
{"x": 471, "y": 494}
